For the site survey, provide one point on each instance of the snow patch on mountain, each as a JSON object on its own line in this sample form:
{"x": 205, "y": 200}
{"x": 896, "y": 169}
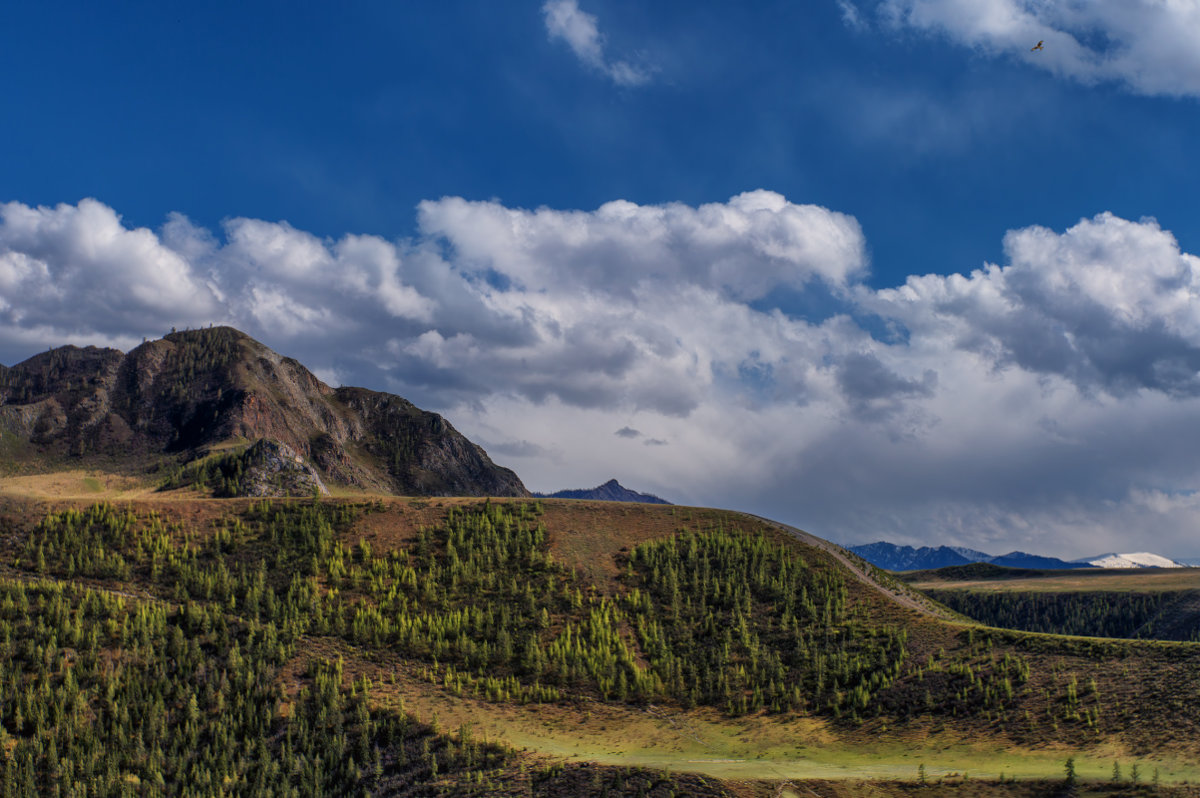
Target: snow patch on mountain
{"x": 1139, "y": 559}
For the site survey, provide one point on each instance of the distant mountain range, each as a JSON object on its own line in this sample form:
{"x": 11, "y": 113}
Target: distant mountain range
{"x": 611, "y": 491}
{"x": 906, "y": 558}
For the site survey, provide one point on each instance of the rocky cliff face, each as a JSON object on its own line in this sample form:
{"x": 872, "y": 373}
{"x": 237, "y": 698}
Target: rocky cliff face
{"x": 181, "y": 395}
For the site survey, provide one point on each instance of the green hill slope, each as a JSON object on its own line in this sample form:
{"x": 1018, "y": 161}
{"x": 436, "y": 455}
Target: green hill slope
{"x": 466, "y": 647}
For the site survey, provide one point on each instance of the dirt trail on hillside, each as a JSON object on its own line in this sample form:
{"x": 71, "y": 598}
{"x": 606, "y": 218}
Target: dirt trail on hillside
{"x": 901, "y": 596}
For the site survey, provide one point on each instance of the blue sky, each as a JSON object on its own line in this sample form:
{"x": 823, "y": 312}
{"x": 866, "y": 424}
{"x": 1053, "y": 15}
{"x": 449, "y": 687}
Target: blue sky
{"x": 341, "y": 122}
{"x": 733, "y": 228}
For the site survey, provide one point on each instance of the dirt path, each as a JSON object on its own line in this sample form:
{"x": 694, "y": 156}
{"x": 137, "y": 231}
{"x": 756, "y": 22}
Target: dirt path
{"x": 901, "y": 594}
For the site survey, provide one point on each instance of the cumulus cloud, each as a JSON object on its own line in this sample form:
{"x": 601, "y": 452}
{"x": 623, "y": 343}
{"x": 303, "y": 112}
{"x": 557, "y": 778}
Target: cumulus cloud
{"x": 1147, "y": 45}
{"x": 77, "y": 268}
{"x": 1109, "y": 305}
{"x": 1050, "y": 402}
{"x": 566, "y": 21}
{"x": 742, "y": 248}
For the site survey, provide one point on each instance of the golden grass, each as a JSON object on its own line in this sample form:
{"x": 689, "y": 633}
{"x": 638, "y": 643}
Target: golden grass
{"x": 77, "y": 484}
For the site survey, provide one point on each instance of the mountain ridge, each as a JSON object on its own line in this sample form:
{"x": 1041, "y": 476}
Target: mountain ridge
{"x": 611, "y": 491}
{"x": 181, "y": 396}
{"x": 893, "y": 557}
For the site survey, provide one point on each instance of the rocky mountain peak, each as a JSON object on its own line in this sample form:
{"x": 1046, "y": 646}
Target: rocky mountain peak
{"x": 181, "y": 395}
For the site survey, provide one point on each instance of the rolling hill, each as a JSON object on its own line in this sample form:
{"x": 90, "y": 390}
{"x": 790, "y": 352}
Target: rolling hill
{"x": 540, "y": 647}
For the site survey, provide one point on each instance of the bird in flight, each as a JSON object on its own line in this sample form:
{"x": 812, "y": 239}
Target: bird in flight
{"x": 1037, "y": 46}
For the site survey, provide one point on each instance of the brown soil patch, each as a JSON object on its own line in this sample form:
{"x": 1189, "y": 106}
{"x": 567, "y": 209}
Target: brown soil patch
{"x": 588, "y": 535}
{"x": 394, "y": 522}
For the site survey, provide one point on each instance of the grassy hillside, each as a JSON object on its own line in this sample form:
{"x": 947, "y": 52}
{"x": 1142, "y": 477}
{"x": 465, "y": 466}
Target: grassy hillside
{"x": 468, "y": 647}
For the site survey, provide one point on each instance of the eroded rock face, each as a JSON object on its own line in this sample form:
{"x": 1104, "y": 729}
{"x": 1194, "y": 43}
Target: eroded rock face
{"x": 274, "y": 469}
{"x": 183, "y": 394}
{"x": 423, "y": 453}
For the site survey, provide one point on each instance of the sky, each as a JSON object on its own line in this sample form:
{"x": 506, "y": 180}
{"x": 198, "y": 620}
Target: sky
{"x": 875, "y": 268}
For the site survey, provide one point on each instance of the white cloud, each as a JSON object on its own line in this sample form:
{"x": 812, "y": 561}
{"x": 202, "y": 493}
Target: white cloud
{"x": 564, "y": 20}
{"x": 851, "y": 15}
{"x": 1148, "y": 45}
{"x": 77, "y": 268}
{"x": 1110, "y": 304}
{"x": 745, "y": 247}
{"x": 1049, "y": 403}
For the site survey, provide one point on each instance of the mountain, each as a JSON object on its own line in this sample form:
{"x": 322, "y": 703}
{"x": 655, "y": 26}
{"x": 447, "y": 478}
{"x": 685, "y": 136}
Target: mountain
{"x": 1020, "y": 559}
{"x": 971, "y": 554}
{"x": 905, "y": 558}
{"x": 1141, "y": 559}
{"x": 611, "y": 491}
{"x": 217, "y": 391}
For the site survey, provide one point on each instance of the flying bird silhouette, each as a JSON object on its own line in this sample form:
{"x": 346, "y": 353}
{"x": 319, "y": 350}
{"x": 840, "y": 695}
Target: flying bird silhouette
{"x": 1038, "y": 46}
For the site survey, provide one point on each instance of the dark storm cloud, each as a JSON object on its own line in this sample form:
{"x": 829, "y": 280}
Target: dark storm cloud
{"x": 873, "y": 391}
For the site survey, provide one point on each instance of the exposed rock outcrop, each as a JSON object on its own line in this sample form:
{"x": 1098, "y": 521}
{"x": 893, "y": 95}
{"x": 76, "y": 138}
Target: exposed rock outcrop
{"x": 274, "y": 469}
